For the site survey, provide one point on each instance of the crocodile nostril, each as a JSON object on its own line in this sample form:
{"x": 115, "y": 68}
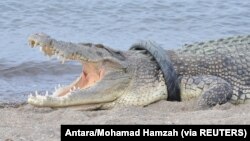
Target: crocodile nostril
{"x": 32, "y": 43}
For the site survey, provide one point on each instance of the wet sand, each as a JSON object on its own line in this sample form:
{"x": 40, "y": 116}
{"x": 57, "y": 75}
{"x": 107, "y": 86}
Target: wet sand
{"x": 30, "y": 123}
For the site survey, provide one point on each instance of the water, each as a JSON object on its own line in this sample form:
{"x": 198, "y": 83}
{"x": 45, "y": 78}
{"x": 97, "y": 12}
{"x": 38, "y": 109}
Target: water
{"x": 117, "y": 24}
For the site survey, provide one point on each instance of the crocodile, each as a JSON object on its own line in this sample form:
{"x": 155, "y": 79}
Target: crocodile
{"x": 214, "y": 72}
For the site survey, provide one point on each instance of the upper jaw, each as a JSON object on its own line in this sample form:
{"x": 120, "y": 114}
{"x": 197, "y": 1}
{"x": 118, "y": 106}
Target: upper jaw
{"x": 74, "y": 51}
{"x": 50, "y": 48}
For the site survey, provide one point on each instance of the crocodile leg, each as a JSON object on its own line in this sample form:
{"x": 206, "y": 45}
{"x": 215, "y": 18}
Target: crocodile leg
{"x": 210, "y": 90}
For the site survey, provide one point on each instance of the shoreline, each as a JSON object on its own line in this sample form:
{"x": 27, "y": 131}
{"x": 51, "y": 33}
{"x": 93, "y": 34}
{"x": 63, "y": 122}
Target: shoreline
{"x": 26, "y": 122}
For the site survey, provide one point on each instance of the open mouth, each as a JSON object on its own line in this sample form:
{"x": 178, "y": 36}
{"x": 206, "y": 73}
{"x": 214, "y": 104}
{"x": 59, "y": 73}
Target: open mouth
{"x": 92, "y": 72}
{"x": 101, "y": 80}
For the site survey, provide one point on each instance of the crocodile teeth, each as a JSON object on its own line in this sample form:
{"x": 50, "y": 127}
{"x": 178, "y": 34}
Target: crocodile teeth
{"x": 36, "y": 93}
{"x": 41, "y": 49}
{"x": 63, "y": 60}
{"x": 47, "y": 93}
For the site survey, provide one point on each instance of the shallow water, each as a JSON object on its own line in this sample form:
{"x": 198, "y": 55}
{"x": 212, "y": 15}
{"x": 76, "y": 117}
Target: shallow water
{"x": 117, "y": 24}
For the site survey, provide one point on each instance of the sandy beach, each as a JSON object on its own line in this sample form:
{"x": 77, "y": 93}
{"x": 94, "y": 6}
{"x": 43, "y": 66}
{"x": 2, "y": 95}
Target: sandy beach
{"x": 118, "y": 25}
{"x": 30, "y": 123}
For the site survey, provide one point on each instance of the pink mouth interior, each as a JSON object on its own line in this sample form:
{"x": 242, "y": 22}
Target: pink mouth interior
{"x": 91, "y": 73}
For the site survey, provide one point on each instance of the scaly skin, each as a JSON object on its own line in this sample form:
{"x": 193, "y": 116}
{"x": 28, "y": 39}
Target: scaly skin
{"x": 225, "y": 59}
{"x": 215, "y": 72}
